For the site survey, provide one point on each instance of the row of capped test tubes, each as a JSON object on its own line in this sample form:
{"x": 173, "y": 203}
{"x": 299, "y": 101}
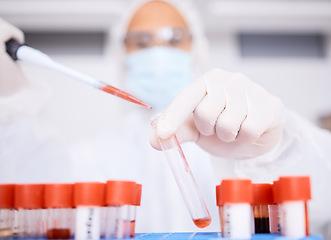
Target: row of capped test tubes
{"x": 280, "y": 208}
{"x": 84, "y": 210}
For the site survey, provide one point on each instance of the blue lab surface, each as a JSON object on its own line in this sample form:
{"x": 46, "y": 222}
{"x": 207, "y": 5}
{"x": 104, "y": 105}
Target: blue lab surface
{"x": 204, "y": 236}
{"x": 211, "y": 236}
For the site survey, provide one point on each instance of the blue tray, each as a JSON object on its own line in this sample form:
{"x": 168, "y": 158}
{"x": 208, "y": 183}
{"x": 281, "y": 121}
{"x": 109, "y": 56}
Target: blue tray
{"x": 211, "y": 236}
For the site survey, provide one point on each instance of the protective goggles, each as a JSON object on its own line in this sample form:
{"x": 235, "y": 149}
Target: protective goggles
{"x": 167, "y": 36}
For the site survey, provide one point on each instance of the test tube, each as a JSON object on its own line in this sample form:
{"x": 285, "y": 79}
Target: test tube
{"x": 7, "y": 212}
{"x": 88, "y": 200}
{"x": 234, "y": 196}
{"x": 120, "y": 196}
{"x": 29, "y": 202}
{"x": 262, "y": 199}
{"x": 58, "y": 201}
{"x": 219, "y": 203}
{"x": 294, "y": 192}
{"x": 133, "y": 211}
{"x": 274, "y": 210}
{"x": 184, "y": 178}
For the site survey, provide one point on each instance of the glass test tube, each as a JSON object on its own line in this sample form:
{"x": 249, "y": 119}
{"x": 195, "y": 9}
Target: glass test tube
{"x": 133, "y": 211}
{"x": 234, "y": 197}
{"x": 88, "y": 200}
{"x": 120, "y": 196}
{"x": 7, "y": 212}
{"x": 29, "y": 203}
{"x": 219, "y": 203}
{"x": 262, "y": 199}
{"x": 58, "y": 201}
{"x": 294, "y": 192}
{"x": 184, "y": 178}
{"x": 274, "y": 210}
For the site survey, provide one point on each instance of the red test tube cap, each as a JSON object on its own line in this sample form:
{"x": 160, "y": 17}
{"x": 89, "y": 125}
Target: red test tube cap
{"x": 138, "y": 195}
{"x": 275, "y": 192}
{"x": 58, "y": 196}
{"x": 235, "y": 191}
{"x": 262, "y": 194}
{"x": 29, "y": 196}
{"x": 89, "y": 194}
{"x": 218, "y": 195}
{"x": 294, "y": 188}
{"x": 120, "y": 193}
{"x": 7, "y": 196}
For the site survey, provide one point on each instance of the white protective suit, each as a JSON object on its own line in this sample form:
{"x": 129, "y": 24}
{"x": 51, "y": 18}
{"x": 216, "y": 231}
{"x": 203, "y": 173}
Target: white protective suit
{"x": 123, "y": 151}
{"x": 303, "y": 149}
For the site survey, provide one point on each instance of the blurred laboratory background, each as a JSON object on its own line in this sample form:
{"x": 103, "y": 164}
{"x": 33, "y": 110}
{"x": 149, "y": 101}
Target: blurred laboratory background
{"x": 284, "y": 45}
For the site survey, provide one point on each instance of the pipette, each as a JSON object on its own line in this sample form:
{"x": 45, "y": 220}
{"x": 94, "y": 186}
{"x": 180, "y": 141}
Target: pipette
{"x": 184, "y": 178}
{"x": 23, "y": 52}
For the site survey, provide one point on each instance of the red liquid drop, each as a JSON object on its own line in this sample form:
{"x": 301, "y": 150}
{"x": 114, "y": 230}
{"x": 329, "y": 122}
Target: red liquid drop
{"x": 59, "y": 233}
{"x": 202, "y": 222}
{"x": 126, "y": 96}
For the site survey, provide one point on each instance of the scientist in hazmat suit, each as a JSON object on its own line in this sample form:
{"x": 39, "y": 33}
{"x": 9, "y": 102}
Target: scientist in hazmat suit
{"x": 245, "y": 129}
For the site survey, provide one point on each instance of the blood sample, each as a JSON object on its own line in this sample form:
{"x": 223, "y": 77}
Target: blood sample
{"x": 58, "y": 201}
{"x": 234, "y": 196}
{"x": 29, "y": 203}
{"x": 184, "y": 178}
{"x": 7, "y": 212}
{"x": 58, "y": 233}
{"x": 262, "y": 199}
{"x": 294, "y": 192}
{"x": 120, "y": 196}
{"x": 88, "y": 200}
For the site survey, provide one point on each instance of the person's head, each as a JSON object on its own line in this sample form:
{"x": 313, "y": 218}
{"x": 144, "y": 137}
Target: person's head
{"x": 162, "y": 47}
{"x": 157, "y": 23}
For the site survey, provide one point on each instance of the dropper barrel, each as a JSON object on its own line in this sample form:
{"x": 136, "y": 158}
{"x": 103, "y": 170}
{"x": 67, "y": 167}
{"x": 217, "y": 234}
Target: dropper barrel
{"x": 23, "y": 52}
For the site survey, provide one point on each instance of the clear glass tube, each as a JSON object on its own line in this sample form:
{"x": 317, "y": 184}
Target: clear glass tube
{"x": 132, "y": 219}
{"x": 118, "y": 222}
{"x": 274, "y": 218}
{"x": 184, "y": 178}
{"x": 29, "y": 223}
{"x": 6, "y": 223}
{"x": 59, "y": 223}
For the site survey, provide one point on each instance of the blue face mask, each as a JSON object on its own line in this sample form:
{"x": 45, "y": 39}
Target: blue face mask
{"x": 156, "y": 75}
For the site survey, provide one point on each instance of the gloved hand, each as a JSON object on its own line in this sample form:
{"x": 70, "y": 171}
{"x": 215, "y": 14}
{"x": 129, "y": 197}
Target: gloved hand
{"x": 12, "y": 77}
{"x": 226, "y": 114}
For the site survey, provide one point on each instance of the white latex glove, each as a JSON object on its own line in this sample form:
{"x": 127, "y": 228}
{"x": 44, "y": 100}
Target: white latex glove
{"x": 11, "y": 76}
{"x": 226, "y": 114}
